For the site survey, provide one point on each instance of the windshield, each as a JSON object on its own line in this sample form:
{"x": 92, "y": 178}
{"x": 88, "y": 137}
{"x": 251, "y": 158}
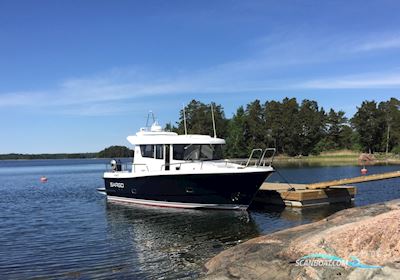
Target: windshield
{"x": 197, "y": 152}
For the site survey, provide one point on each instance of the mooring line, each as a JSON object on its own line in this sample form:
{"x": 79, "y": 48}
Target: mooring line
{"x": 286, "y": 181}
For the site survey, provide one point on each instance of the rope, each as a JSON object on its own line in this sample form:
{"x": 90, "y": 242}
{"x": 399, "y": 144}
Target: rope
{"x": 286, "y": 181}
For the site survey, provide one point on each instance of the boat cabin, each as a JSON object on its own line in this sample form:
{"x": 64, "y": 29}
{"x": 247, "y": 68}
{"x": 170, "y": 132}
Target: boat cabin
{"x": 157, "y": 150}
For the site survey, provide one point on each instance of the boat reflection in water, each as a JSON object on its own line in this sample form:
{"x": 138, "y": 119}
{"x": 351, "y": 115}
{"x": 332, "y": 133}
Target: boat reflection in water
{"x": 171, "y": 243}
{"x": 176, "y": 242}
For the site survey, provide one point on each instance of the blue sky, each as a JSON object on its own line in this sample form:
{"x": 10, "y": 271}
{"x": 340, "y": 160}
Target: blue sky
{"x": 78, "y": 76}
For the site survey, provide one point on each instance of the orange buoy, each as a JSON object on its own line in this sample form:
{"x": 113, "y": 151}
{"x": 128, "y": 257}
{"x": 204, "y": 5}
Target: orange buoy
{"x": 43, "y": 179}
{"x": 364, "y": 171}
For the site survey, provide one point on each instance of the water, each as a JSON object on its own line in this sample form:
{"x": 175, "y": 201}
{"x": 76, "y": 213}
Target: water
{"x": 64, "y": 229}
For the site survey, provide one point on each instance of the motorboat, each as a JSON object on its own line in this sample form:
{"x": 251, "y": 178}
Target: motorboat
{"x": 185, "y": 171}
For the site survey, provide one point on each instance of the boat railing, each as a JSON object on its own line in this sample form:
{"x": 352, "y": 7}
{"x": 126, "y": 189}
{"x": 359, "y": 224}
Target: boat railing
{"x": 270, "y": 159}
{"x": 179, "y": 164}
{"x": 122, "y": 167}
{"x": 260, "y": 160}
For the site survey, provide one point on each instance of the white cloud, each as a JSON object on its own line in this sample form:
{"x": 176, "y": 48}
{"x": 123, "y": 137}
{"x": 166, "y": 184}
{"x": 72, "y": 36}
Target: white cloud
{"x": 267, "y": 68}
{"x": 364, "y": 81}
{"x": 380, "y": 43}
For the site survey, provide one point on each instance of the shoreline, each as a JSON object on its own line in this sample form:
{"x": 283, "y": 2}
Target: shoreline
{"x": 329, "y": 158}
{"x": 369, "y": 233}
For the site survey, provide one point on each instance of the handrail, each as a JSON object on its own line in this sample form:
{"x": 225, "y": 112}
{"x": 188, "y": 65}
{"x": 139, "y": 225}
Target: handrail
{"x": 180, "y": 164}
{"x": 251, "y": 156}
{"x": 263, "y": 156}
{"x": 261, "y": 160}
{"x": 124, "y": 167}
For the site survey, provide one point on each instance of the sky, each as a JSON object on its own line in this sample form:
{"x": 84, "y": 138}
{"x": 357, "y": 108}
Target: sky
{"x": 79, "y": 76}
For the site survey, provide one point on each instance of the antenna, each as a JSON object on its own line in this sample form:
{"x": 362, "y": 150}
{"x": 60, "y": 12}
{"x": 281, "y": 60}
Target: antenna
{"x": 184, "y": 119}
{"x": 213, "y": 120}
{"x": 148, "y": 118}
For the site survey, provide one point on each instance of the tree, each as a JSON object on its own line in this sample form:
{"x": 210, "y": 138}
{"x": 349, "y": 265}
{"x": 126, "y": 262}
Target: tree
{"x": 348, "y": 138}
{"x": 236, "y": 142}
{"x": 254, "y": 125}
{"x": 311, "y": 124}
{"x": 290, "y": 126}
{"x": 199, "y": 120}
{"x": 390, "y": 110}
{"x": 336, "y": 130}
{"x": 369, "y": 123}
{"x": 115, "y": 152}
{"x": 273, "y": 111}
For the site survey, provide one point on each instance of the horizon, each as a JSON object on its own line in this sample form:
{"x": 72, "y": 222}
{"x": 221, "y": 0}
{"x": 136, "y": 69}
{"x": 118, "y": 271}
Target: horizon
{"x": 79, "y": 77}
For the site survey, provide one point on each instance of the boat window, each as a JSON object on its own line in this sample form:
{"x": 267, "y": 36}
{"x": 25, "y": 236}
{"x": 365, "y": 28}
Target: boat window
{"x": 159, "y": 151}
{"x": 197, "y": 152}
{"x": 178, "y": 152}
{"x": 147, "y": 151}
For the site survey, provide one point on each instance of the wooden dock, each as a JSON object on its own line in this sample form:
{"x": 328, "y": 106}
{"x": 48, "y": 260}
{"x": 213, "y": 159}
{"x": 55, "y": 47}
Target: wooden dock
{"x": 322, "y": 193}
{"x": 300, "y": 196}
{"x": 354, "y": 180}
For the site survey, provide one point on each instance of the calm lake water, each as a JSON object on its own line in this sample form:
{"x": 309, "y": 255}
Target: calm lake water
{"x": 64, "y": 229}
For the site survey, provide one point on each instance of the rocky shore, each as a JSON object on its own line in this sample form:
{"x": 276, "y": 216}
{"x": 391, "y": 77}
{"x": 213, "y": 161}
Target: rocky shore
{"x": 370, "y": 233}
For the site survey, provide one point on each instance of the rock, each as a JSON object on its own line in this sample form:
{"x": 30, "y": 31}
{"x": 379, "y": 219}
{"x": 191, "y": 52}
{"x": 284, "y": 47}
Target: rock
{"x": 370, "y": 233}
{"x": 366, "y": 159}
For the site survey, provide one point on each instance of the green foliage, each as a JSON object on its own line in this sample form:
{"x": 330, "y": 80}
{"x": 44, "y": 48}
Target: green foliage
{"x": 236, "y": 143}
{"x": 311, "y": 123}
{"x": 291, "y": 128}
{"x": 369, "y": 123}
{"x": 254, "y": 126}
{"x": 391, "y": 115}
{"x": 396, "y": 150}
{"x": 334, "y": 126}
{"x": 295, "y": 129}
{"x": 110, "y": 152}
{"x": 115, "y": 152}
{"x": 199, "y": 119}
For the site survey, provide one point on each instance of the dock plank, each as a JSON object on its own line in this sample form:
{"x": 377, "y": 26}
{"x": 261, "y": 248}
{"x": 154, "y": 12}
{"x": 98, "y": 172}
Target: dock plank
{"x": 297, "y": 195}
{"x": 354, "y": 180}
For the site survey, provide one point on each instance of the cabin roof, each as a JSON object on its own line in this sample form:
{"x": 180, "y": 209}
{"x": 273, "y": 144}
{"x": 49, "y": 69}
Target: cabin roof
{"x": 156, "y": 138}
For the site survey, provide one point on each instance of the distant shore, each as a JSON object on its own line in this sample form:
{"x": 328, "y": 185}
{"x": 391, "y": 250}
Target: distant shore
{"x": 15, "y": 156}
{"x": 344, "y": 157}
{"x": 339, "y": 157}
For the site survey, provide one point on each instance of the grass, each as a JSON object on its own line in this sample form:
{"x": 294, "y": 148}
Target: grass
{"x": 338, "y": 157}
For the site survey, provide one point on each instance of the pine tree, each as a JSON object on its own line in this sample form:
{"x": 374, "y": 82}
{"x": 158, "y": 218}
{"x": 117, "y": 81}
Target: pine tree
{"x": 391, "y": 114}
{"x": 254, "y": 126}
{"x": 311, "y": 124}
{"x": 336, "y": 130}
{"x": 199, "y": 119}
{"x": 236, "y": 145}
{"x": 369, "y": 123}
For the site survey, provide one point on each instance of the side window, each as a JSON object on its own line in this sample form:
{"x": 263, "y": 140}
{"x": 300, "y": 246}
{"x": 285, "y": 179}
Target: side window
{"x": 178, "y": 152}
{"x": 159, "y": 151}
{"x": 147, "y": 151}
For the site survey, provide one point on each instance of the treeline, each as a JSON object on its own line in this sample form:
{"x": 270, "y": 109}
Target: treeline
{"x": 47, "y": 156}
{"x": 295, "y": 128}
{"x": 115, "y": 152}
{"x": 110, "y": 152}
{"x": 291, "y": 127}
